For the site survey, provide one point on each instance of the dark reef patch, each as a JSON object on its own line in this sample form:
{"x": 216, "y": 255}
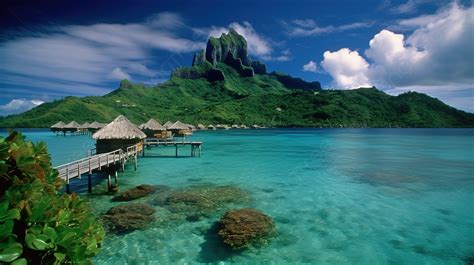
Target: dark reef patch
{"x": 135, "y": 193}
{"x": 128, "y": 217}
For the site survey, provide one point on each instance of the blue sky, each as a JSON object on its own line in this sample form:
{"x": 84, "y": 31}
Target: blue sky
{"x": 53, "y": 49}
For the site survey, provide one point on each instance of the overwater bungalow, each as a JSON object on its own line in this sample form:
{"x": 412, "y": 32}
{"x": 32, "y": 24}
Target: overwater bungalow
{"x": 168, "y": 124}
{"x": 120, "y": 133}
{"x": 95, "y": 126}
{"x": 255, "y": 126}
{"x": 243, "y": 126}
{"x": 201, "y": 126}
{"x": 154, "y": 129}
{"x": 72, "y": 127}
{"x": 84, "y": 127}
{"x": 58, "y": 126}
{"x": 222, "y": 127}
{"x": 235, "y": 126}
{"x": 180, "y": 129}
{"x": 211, "y": 127}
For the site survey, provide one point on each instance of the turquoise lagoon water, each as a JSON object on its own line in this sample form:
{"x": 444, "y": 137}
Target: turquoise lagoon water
{"x": 338, "y": 196}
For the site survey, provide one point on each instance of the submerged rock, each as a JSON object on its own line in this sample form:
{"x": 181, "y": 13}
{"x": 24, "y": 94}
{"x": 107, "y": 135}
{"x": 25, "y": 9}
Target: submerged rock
{"x": 135, "y": 193}
{"x": 128, "y": 217}
{"x": 245, "y": 227}
{"x": 193, "y": 206}
{"x": 198, "y": 202}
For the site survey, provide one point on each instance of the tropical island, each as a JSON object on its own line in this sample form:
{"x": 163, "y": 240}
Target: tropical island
{"x": 225, "y": 86}
{"x": 215, "y": 148}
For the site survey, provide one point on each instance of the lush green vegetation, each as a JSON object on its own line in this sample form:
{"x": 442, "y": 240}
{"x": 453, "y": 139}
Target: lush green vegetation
{"x": 38, "y": 224}
{"x": 261, "y": 99}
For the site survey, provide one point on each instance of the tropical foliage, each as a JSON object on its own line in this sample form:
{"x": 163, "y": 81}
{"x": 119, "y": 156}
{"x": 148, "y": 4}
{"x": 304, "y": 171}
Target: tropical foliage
{"x": 38, "y": 223}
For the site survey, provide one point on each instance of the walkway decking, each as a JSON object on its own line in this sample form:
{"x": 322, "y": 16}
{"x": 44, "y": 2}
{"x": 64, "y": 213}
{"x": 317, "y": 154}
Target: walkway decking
{"x": 196, "y": 147}
{"x": 87, "y": 165}
{"x": 117, "y": 157}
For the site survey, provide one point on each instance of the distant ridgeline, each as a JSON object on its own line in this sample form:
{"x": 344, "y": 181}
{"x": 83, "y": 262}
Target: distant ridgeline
{"x": 225, "y": 86}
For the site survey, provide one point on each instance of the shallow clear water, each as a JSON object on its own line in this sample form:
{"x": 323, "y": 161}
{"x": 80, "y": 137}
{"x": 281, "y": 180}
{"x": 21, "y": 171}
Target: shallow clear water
{"x": 338, "y": 196}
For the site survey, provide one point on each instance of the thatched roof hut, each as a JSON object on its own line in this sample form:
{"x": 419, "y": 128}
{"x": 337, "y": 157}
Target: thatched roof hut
{"x": 85, "y": 125}
{"x": 71, "y": 127}
{"x": 180, "y": 129}
{"x": 95, "y": 126}
{"x": 120, "y": 133}
{"x": 235, "y": 126}
{"x": 222, "y": 127}
{"x": 211, "y": 127}
{"x": 58, "y": 126}
{"x": 243, "y": 126}
{"x": 152, "y": 127}
{"x": 201, "y": 126}
{"x": 178, "y": 126}
{"x": 168, "y": 124}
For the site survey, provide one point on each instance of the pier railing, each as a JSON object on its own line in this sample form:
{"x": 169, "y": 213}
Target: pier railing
{"x": 86, "y": 165}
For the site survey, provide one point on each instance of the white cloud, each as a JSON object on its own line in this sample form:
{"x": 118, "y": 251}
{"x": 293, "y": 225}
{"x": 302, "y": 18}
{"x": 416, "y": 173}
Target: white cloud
{"x": 437, "y": 53}
{"x": 167, "y": 20}
{"x": 409, "y": 6}
{"x": 347, "y": 68}
{"x": 309, "y": 27}
{"x": 257, "y": 44}
{"x": 119, "y": 74}
{"x": 68, "y": 58}
{"x": 311, "y": 66}
{"x": 18, "y": 106}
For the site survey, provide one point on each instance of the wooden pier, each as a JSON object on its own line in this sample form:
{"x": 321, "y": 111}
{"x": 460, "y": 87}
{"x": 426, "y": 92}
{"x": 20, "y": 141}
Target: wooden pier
{"x": 96, "y": 162}
{"x": 196, "y": 147}
{"x": 117, "y": 159}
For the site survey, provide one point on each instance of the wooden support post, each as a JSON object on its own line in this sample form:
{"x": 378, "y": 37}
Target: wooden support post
{"x": 116, "y": 178}
{"x": 143, "y": 152}
{"x": 200, "y": 150}
{"x": 136, "y": 161}
{"x": 176, "y": 146}
{"x": 68, "y": 189}
{"x": 79, "y": 170}
{"x": 89, "y": 182}
{"x": 89, "y": 178}
{"x": 109, "y": 182}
